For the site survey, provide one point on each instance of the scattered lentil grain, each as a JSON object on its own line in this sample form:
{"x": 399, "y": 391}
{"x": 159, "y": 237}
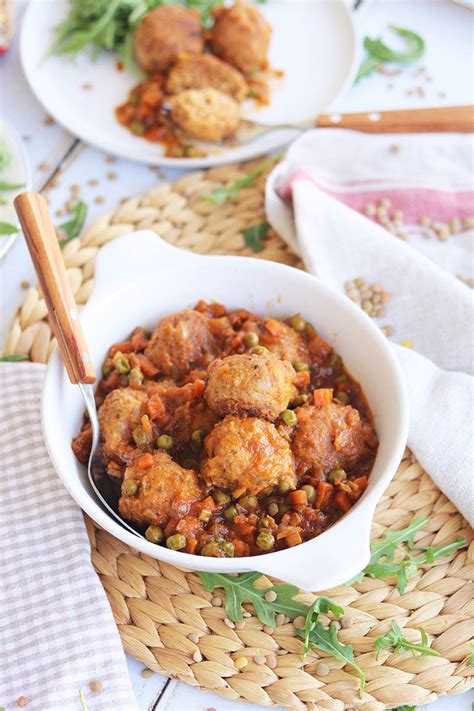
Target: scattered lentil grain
{"x": 346, "y": 621}
{"x": 93, "y": 182}
{"x": 280, "y": 619}
{"x": 240, "y": 625}
{"x": 25, "y": 284}
{"x": 387, "y": 330}
{"x": 48, "y": 121}
{"x": 246, "y": 614}
{"x": 270, "y": 596}
{"x": 87, "y": 86}
{"x": 322, "y": 669}
{"x": 395, "y": 148}
{"x": 468, "y": 222}
{"x": 112, "y": 175}
{"x": 21, "y": 701}
{"x": 110, "y": 159}
{"x": 229, "y": 623}
{"x": 216, "y": 602}
{"x": 267, "y": 629}
{"x": 147, "y": 673}
{"x": 99, "y": 200}
{"x": 299, "y": 622}
{"x": 44, "y": 166}
{"x": 96, "y": 686}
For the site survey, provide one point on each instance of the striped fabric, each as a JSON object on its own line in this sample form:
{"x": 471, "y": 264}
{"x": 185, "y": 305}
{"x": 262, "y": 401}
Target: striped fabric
{"x": 57, "y": 633}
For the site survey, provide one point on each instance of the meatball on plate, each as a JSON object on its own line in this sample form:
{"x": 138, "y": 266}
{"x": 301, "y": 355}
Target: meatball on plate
{"x": 250, "y": 419}
{"x": 266, "y": 61}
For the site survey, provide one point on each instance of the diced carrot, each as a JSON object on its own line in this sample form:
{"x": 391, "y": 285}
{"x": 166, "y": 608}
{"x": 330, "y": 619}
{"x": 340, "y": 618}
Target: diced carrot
{"x": 298, "y": 498}
{"x": 240, "y": 548}
{"x": 302, "y": 378}
{"x": 285, "y": 533}
{"x": 235, "y": 341}
{"x": 124, "y": 347}
{"x": 156, "y": 407}
{"x": 323, "y": 494}
{"x": 191, "y": 545}
{"x": 145, "y": 461}
{"x": 294, "y": 539}
{"x": 276, "y": 328}
{"x": 146, "y": 366}
{"x": 245, "y": 530}
{"x": 342, "y": 501}
{"x": 322, "y": 396}
{"x": 146, "y": 425}
{"x": 199, "y": 387}
{"x": 110, "y": 382}
{"x": 139, "y": 340}
{"x": 362, "y": 482}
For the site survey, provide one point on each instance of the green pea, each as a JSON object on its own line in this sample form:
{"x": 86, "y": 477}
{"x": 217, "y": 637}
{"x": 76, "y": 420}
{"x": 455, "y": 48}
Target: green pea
{"x": 258, "y": 350}
{"x": 248, "y": 502}
{"x": 129, "y": 487}
{"x": 140, "y": 437}
{"x": 211, "y": 548}
{"x": 342, "y": 397}
{"x": 228, "y": 548}
{"x": 265, "y": 540}
{"x": 220, "y": 497}
{"x": 121, "y": 363}
{"x": 335, "y": 361}
{"x": 230, "y": 512}
{"x": 197, "y": 438}
{"x": 337, "y": 474}
{"x": 298, "y": 323}
{"x": 289, "y": 418}
{"x": 265, "y": 522}
{"x": 137, "y": 128}
{"x": 136, "y": 375}
{"x": 284, "y": 486}
{"x": 310, "y": 492}
{"x": 300, "y": 366}
{"x": 300, "y": 400}
{"x": 165, "y": 442}
{"x": 154, "y": 534}
{"x": 251, "y": 339}
{"x": 176, "y": 542}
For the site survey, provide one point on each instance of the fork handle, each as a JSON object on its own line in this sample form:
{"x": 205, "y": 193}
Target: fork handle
{"x": 42, "y": 241}
{"x": 458, "y": 119}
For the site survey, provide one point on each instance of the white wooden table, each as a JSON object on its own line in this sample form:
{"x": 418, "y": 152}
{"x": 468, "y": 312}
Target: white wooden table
{"x": 446, "y": 28}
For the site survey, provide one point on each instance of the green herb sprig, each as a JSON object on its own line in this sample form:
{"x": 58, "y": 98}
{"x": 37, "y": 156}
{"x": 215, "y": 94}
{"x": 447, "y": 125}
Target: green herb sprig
{"x": 378, "y": 52}
{"x": 382, "y": 564}
{"x": 400, "y": 644}
{"x": 6, "y": 228}
{"x": 73, "y": 227}
{"x": 254, "y": 235}
{"x": 14, "y": 358}
{"x": 82, "y": 700}
{"x": 221, "y": 195}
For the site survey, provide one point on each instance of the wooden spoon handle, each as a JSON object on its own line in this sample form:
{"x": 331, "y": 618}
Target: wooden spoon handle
{"x": 42, "y": 241}
{"x": 459, "y": 119}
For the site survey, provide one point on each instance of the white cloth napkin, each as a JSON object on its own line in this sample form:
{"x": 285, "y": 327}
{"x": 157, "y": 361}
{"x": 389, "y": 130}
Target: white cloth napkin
{"x": 57, "y": 633}
{"x": 310, "y": 201}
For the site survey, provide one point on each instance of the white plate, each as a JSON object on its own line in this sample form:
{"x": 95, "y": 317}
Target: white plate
{"x": 314, "y": 42}
{"x": 16, "y": 171}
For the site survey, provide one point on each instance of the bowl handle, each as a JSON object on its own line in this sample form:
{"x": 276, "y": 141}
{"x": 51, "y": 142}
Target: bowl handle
{"x": 121, "y": 260}
{"x": 343, "y": 552}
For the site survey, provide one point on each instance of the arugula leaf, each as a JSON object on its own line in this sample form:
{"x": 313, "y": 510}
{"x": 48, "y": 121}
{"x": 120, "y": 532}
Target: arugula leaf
{"x": 14, "y": 359}
{"x": 470, "y": 659}
{"x": 405, "y": 707}
{"x": 82, "y": 700}
{"x": 73, "y": 227}
{"x": 253, "y": 236}
{"x": 321, "y": 604}
{"x": 433, "y": 553}
{"x": 400, "y": 644}
{"x": 379, "y": 52}
{"x": 221, "y": 195}
{"x": 415, "y": 47}
{"x": 326, "y": 640}
{"x": 11, "y": 186}
{"x": 8, "y": 229}
{"x": 241, "y": 589}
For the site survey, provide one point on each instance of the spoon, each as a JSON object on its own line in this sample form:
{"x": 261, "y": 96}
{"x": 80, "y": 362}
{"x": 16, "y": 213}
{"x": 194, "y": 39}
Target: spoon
{"x": 442, "y": 118}
{"x": 42, "y": 242}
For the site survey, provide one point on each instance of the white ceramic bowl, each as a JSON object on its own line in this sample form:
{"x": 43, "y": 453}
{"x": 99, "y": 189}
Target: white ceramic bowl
{"x": 139, "y": 279}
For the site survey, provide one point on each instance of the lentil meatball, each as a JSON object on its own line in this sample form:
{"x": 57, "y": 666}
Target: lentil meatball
{"x": 247, "y": 456}
{"x": 331, "y": 437}
{"x": 164, "y": 34}
{"x": 165, "y": 491}
{"x": 257, "y": 385}
{"x": 206, "y": 71}
{"x": 182, "y": 342}
{"x": 206, "y": 114}
{"x": 119, "y": 414}
{"x": 241, "y": 36}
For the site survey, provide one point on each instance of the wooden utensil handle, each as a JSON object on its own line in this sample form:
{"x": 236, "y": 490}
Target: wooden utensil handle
{"x": 459, "y": 119}
{"x": 42, "y": 241}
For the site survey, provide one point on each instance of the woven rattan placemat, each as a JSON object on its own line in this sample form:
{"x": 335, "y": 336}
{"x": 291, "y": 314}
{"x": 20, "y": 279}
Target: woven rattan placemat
{"x": 164, "y": 616}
